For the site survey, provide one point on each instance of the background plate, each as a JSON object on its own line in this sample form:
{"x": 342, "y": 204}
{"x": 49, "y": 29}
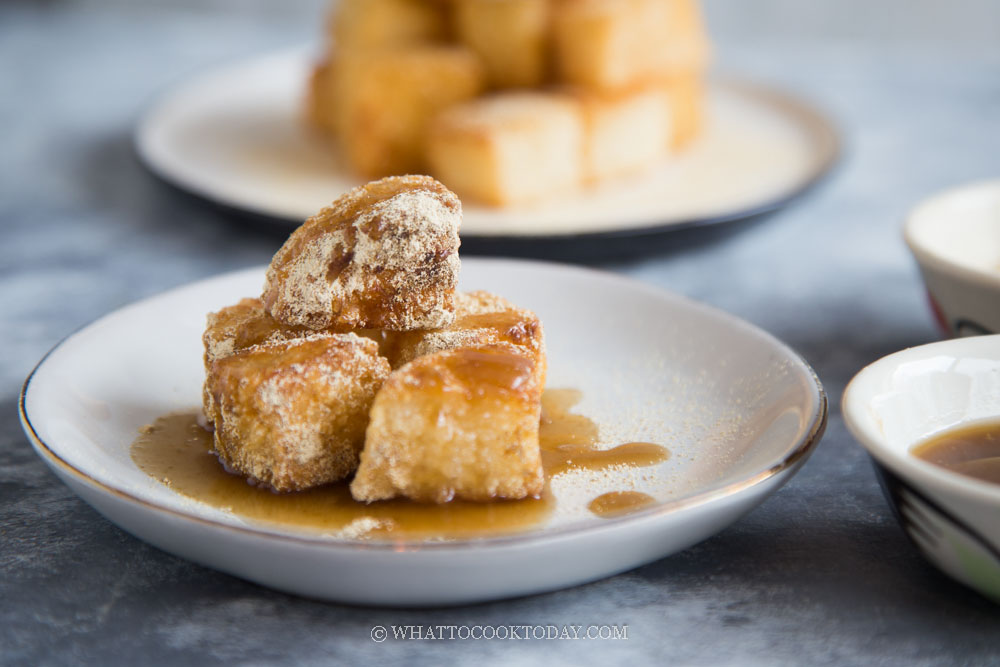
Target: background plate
{"x": 235, "y": 136}
{"x": 738, "y": 410}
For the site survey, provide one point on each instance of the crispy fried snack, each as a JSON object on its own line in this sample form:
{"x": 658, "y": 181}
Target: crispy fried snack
{"x": 627, "y": 131}
{"x": 610, "y": 44}
{"x": 511, "y": 37}
{"x": 686, "y": 91}
{"x": 320, "y": 98}
{"x": 236, "y": 328}
{"x": 509, "y": 148}
{"x": 292, "y": 414}
{"x": 246, "y": 324}
{"x": 243, "y": 325}
{"x": 369, "y": 24}
{"x": 457, "y": 424}
{"x": 481, "y": 319}
{"x": 383, "y": 256}
{"x": 381, "y": 101}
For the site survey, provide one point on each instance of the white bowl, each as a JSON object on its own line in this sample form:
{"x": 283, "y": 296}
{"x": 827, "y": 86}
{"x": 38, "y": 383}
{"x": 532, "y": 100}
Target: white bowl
{"x": 955, "y": 237}
{"x": 739, "y": 411}
{"x": 907, "y": 397}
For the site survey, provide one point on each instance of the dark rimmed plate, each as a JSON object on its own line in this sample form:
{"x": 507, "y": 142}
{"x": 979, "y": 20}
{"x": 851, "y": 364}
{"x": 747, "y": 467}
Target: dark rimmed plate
{"x": 234, "y": 136}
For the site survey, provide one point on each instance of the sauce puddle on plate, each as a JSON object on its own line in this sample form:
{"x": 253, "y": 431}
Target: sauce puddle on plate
{"x": 177, "y": 451}
{"x": 568, "y": 440}
{"x": 973, "y": 451}
{"x": 617, "y": 503}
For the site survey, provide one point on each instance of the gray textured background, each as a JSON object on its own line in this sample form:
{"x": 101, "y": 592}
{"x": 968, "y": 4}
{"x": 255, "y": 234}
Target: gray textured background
{"x": 818, "y": 575}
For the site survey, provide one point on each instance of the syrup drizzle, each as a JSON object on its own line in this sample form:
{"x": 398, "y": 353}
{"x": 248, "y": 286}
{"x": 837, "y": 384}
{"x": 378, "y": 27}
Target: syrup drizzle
{"x": 617, "y": 503}
{"x": 177, "y": 451}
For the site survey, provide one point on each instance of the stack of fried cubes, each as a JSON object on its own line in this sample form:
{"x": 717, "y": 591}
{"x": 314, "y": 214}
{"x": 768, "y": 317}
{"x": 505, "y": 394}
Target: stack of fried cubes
{"x": 511, "y": 101}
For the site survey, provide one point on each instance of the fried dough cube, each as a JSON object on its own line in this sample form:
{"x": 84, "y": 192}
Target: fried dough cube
{"x": 679, "y": 39}
{"x": 686, "y": 91}
{"x": 457, "y": 424}
{"x": 384, "y": 100}
{"x": 246, "y": 324}
{"x": 236, "y": 328}
{"x": 240, "y": 326}
{"x": 382, "y": 256}
{"x": 292, "y": 414}
{"x": 509, "y": 148}
{"x": 610, "y": 44}
{"x": 626, "y": 131}
{"x": 511, "y": 36}
{"x": 591, "y": 41}
{"x": 481, "y": 319}
{"x": 321, "y": 110}
{"x": 358, "y": 24}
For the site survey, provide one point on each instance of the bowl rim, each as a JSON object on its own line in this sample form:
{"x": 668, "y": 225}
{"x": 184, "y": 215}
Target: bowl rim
{"x": 902, "y": 461}
{"x": 798, "y": 451}
{"x": 927, "y": 256}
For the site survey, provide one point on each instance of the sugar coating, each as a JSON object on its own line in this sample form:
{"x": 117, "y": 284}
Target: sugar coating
{"x": 292, "y": 414}
{"x": 385, "y": 255}
{"x": 481, "y": 318}
{"x": 456, "y": 424}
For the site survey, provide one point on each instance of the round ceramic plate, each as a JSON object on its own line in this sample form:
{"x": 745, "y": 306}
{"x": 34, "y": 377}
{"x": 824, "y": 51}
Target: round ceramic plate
{"x": 737, "y": 409}
{"x": 235, "y": 136}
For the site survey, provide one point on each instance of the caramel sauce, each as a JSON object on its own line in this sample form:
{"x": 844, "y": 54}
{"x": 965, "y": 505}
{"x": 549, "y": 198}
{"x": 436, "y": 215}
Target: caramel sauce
{"x": 177, "y": 451}
{"x": 489, "y": 369}
{"x": 568, "y": 440}
{"x": 576, "y": 457}
{"x": 512, "y": 324}
{"x": 973, "y": 451}
{"x": 617, "y": 503}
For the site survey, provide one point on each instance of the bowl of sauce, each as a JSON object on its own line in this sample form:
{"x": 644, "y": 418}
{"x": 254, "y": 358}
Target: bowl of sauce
{"x": 929, "y": 417}
{"x": 955, "y": 238}
{"x": 973, "y": 451}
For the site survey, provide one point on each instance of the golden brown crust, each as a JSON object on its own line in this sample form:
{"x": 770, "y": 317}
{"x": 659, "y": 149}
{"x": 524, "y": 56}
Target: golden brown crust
{"x": 510, "y": 37}
{"x": 686, "y": 91}
{"x": 481, "y": 318}
{"x": 628, "y": 130}
{"x": 246, "y": 324}
{"x": 457, "y": 424}
{"x": 292, "y": 414}
{"x": 609, "y": 44}
{"x": 379, "y": 24}
{"x": 394, "y": 70}
{"x": 510, "y": 147}
{"x": 384, "y": 99}
{"x": 243, "y": 325}
{"x": 384, "y": 255}
{"x": 320, "y": 105}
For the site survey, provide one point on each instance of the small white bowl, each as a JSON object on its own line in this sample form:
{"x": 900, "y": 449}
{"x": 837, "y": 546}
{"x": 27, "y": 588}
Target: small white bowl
{"x": 955, "y": 237}
{"x": 907, "y": 397}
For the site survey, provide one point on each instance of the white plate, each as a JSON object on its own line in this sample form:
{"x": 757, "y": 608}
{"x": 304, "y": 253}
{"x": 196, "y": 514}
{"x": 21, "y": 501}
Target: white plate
{"x": 738, "y": 410}
{"x": 236, "y": 136}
